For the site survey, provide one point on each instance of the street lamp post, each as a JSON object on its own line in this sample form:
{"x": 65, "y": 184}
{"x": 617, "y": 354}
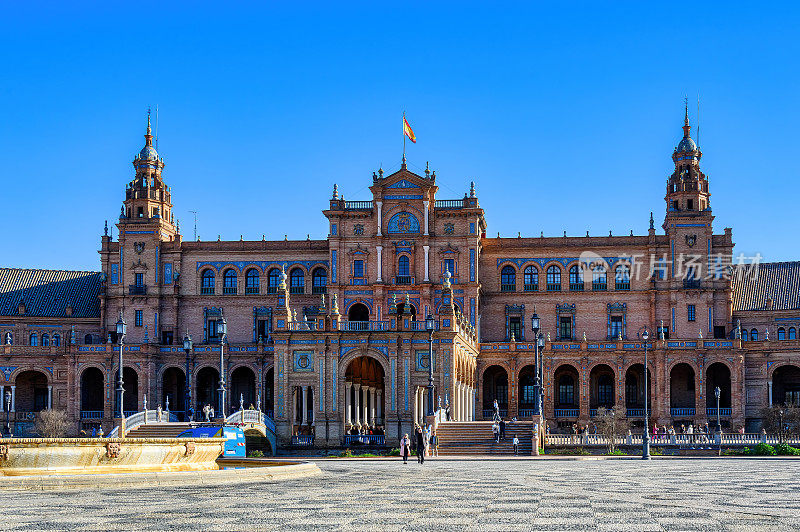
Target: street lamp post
{"x": 430, "y": 324}
{"x": 8, "y": 411}
{"x": 222, "y": 332}
{"x": 717, "y": 393}
{"x": 780, "y": 427}
{"x": 646, "y": 435}
{"x": 122, "y": 328}
{"x": 537, "y": 383}
{"x": 187, "y": 347}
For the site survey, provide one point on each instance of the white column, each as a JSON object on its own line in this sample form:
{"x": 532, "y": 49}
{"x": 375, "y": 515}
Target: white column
{"x": 769, "y": 392}
{"x": 416, "y": 405}
{"x": 427, "y": 272}
{"x": 348, "y": 418}
{"x": 379, "y": 406}
{"x": 461, "y": 401}
{"x": 305, "y": 406}
{"x": 380, "y": 263}
{"x": 357, "y": 403}
{"x": 380, "y": 223}
{"x": 49, "y": 397}
{"x": 13, "y": 398}
{"x": 425, "y": 204}
{"x": 3, "y": 398}
{"x": 472, "y": 404}
{"x": 373, "y": 411}
{"x": 365, "y": 406}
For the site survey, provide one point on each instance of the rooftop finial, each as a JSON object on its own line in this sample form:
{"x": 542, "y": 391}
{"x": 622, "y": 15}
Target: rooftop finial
{"x": 686, "y": 127}
{"x": 105, "y": 228}
{"x": 427, "y": 169}
{"x": 472, "y": 189}
{"x": 335, "y": 192}
{"x": 403, "y": 164}
{"x": 652, "y": 223}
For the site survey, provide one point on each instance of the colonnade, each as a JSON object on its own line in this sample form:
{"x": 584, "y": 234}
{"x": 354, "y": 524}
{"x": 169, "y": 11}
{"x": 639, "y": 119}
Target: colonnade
{"x": 463, "y": 407}
{"x": 13, "y": 390}
{"x": 364, "y": 406}
{"x": 307, "y": 395}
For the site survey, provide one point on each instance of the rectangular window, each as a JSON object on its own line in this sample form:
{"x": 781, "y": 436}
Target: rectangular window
{"x": 139, "y": 319}
{"x": 566, "y": 393}
{"x": 263, "y": 329}
{"x": 514, "y": 328}
{"x": 212, "y": 331}
{"x": 719, "y": 331}
{"x": 472, "y": 228}
{"x": 166, "y": 337}
{"x": 115, "y": 274}
{"x": 665, "y": 331}
{"x": 565, "y": 328}
{"x": 690, "y": 313}
{"x": 449, "y": 266}
{"x": 616, "y": 327}
{"x": 139, "y": 279}
{"x": 358, "y": 268}
{"x": 334, "y": 229}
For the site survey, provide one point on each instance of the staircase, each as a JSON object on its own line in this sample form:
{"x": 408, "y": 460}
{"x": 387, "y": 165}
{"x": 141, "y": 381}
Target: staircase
{"x": 475, "y": 438}
{"x": 158, "y": 430}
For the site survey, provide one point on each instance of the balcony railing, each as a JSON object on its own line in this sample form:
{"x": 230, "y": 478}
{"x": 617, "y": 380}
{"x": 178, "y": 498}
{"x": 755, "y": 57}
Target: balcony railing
{"x": 489, "y": 413}
{"x": 319, "y": 290}
{"x": 365, "y": 439}
{"x": 634, "y": 412}
{"x": 403, "y": 279}
{"x": 622, "y": 285}
{"x": 229, "y": 290}
{"x": 272, "y": 289}
{"x": 526, "y": 412}
{"x": 599, "y": 287}
{"x": 723, "y": 412}
{"x": 91, "y": 414}
{"x": 207, "y": 290}
{"x": 554, "y": 287}
{"x": 303, "y": 441}
{"x": 507, "y": 287}
{"x": 296, "y": 289}
{"x": 137, "y": 289}
{"x": 691, "y": 283}
{"x": 531, "y": 287}
{"x": 566, "y": 412}
{"x": 358, "y": 205}
{"x": 576, "y": 287}
{"x": 251, "y": 290}
{"x": 364, "y": 326}
{"x": 682, "y": 412}
{"x": 449, "y": 204}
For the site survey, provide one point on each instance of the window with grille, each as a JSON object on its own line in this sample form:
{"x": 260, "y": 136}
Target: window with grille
{"x": 297, "y": 281}
{"x": 207, "y": 282}
{"x": 138, "y": 318}
{"x": 599, "y": 279}
{"x": 358, "y": 268}
{"x": 319, "y": 278}
{"x": 566, "y": 390}
{"x": 690, "y": 312}
{"x": 273, "y": 280}
{"x": 508, "y": 279}
{"x": 622, "y": 278}
{"x": 575, "y": 278}
{"x": 531, "y": 278}
{"x": 554, "y": 279}
{"x": 565, "y": 328}
{"x": 229, "y": 282}
{"x": 251, "y": 281}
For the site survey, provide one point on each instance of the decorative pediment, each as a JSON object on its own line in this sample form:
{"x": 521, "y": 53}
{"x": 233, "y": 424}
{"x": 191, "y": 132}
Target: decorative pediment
{"x": 515, "y": 309}
{"x": 358, "y": 250}
{"x": 449, "y": 248}
{"x": 617, "y": 307}
{"x": 139, "y": 266}
{"x": 403, "y": 183}
{"x": 566, "y": 307}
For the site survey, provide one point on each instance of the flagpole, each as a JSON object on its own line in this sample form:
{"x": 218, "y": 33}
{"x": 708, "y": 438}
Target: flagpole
{"x": 404, "y": 136}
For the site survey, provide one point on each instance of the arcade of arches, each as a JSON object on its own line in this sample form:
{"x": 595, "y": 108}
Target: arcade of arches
{"x": 363, "y": 395}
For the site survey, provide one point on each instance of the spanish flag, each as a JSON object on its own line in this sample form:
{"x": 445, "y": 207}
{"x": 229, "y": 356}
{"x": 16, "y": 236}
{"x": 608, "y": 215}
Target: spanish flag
{"x": 408, "y": 132}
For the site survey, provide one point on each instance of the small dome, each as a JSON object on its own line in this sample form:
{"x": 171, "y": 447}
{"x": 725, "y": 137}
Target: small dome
{"x": 686, "y": 144}
{"x": 148, "y": 153}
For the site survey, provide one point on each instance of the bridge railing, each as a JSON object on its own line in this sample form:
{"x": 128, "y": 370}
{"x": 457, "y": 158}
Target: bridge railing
{"x": 252, "y": 416}
{"x": 142, "y": 418}
{"x": 683, "y": 440}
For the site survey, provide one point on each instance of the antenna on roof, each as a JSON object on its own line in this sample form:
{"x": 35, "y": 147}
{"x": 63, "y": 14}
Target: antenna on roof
{"x": 698, "y": 121}
{"x": 195, "y": 224}
{"x": 156, "y": 127}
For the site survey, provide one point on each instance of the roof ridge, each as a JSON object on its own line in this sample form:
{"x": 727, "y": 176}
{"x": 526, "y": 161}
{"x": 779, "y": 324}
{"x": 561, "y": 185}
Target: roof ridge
{"x": 46, "y": 270}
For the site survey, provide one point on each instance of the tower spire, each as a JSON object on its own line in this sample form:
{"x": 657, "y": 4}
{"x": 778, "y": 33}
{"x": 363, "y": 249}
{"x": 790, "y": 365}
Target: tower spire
{"x": 149, "y": 135}
{"x": 686, "y": 127}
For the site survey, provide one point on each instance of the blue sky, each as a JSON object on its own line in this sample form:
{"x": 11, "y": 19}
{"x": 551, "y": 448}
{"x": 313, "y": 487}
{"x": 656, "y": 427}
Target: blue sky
{"x": 565, "y": 117}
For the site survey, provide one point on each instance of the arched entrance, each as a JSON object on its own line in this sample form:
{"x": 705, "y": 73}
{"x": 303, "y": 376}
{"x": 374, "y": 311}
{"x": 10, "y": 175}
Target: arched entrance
{"x": 130, "y": 399}
{"x": 269, "y": 393}
{"x": 786, "y": 386}
{"x": 401, "y": 309}
{"x": 566, "y": 398}
{"x": 601, "y": 388}
{"x": 364, "y": 396}
{"x": 92, "y": 403}
{"x": 173, "y": 390}
{"x": 243, "y": 387}
{"x": 32, "y": 393}
{"x": 527, "y": 391}
{"x": 682, "y": 392}
{"x": 718, "y": 375}
{"x": 358, "y": 312}
{"x": 634, "y": 391}
{"x": 495, "y": 386}
{"x": 206, "y": 390}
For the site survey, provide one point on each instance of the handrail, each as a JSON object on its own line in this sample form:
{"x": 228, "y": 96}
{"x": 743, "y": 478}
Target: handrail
{"x": 363, "y": 326}
{"x": 251, "y": 416}
{"x": 142, "y": 418}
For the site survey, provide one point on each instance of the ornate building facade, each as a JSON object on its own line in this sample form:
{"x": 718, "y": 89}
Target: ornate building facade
{"x": 329, "y": 335}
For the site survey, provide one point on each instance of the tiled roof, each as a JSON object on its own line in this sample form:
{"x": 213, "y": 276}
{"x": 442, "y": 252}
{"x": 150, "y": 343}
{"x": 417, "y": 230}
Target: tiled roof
{"x": 777, "y": 280}
{"x": 48, "y": 292}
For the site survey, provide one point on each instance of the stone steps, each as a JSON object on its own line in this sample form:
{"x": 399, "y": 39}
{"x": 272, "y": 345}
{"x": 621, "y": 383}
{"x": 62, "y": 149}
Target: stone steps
{"x": 159, "y": 430}
{"x": 475, "y": 437}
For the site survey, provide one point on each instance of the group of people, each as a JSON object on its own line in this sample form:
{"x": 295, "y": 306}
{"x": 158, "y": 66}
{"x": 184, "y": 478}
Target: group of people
{"x": 424, "y": 442}
{"x": 365, "y": 430}
{"x": 208, "y": 412}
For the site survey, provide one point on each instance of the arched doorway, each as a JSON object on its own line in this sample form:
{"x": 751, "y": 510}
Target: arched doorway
{"x": 269, "y": 392}
{"x": 495, "y": 386}
{"x": 358, "y": 312}
{"x": 130, "y": 399}
{"x": 527, "y": 391}
{"x": 681, "y": 391}
{"x": 566, "y": 398}
{"x": 243, "y": 387}
{"x": 718, "y": 375}
{"x": 601, "y": 388}
{"x": 206, "y": 390}
{"x": 364, "y": 396}
{"x": 32, "y": 393}
{"x": 92, "y": 403}
{"x": 401, "y": 309}
{"x": 173, "y": 387}
{"x": 634, "y": 391}
{"x": 786, "y": 386}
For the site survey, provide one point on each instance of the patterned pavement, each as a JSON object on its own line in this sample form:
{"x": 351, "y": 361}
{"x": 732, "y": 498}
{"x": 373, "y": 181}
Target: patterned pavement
{"x": 452, "y": 494}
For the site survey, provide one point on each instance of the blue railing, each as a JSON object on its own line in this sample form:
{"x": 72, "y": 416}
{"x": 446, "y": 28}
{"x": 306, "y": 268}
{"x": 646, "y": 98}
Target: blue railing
{"x": 359, "y": 326}
{"x": 303, "y": 441}
{"x": 526, "y": 412}
{"x": 723, "y": 412}
{"x": 682, "y": 412}
{"x": 365, "y": 439}
{"x": 489, "y": 413}
{"x": 91, "y": 414}
{"x": 566, "y": 412}
{"x": 128, "y": 413}
{"x": 635, "y": 412}
{"x": 592, "y": 412}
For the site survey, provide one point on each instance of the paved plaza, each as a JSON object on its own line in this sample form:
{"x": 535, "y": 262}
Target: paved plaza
{"x": 471, "y": 494}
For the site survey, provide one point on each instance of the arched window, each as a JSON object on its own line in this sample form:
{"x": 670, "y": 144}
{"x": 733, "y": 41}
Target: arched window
{"x": 531, "y": 279}
{"x": 56, "y": 340}
{"x": 622, "y": 277}
{"x": 792, "y": 333}
{"x": 87, "y": 339}
{"x": 34, "y": 339}
{"x": 781, "y": 334}
{"x": 599, "y": 279}
{"x": 403, "y": 270}
{"x": 297, "y": 281}
{"x": 745, "y": 335}
{"x": 553, "y": 279}
{"x": 575, "y": 278}
{"x": 46, "y": 339}
{"x": 251, "y": 281}
{"x": 319, "y": 281}
{"x": 508, "y": 279}
{"x": 207, "y": 282}
{"x": 229, "y": 281}
{"x": 754, "y": 335}
{"x": 566, "y": 390}
{"x": 273, "y": 279}
{"x": 605, "y": 390}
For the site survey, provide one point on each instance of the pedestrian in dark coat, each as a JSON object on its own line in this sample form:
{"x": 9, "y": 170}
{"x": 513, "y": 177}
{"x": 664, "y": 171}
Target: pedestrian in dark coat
{"x": 502, "y": 429}
{"x": 420, "y": 437}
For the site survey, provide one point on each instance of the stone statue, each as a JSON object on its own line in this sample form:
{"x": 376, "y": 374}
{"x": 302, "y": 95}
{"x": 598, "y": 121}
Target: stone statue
{"x": 766, "y": 333}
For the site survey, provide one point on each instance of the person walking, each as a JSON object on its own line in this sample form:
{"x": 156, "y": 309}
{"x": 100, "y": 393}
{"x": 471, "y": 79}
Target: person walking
{"x": 496, "y": 408}
{"x": 502, "y": 429}
{"x": 515, "y": 441}
{"x": 420, "y": 437}
{"x": 405, "y": 448}
{"x": 434, "y": 444}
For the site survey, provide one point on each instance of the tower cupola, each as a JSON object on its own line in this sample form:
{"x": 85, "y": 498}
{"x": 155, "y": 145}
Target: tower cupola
{"x": 687, "y": 187}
